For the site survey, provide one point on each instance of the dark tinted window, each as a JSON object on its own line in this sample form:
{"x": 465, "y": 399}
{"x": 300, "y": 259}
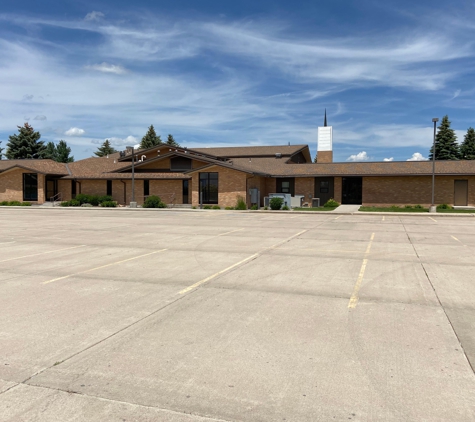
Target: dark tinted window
{"x": 30, "y": 187}
{"x": 209, "y": 187}
{"x": 109, "y": 188}
{"x": 180, "y": 163}
{"x": 146, "y": 187}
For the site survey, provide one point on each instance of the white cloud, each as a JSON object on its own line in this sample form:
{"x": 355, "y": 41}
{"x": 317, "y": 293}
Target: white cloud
{"x": 361, "y": 156}
{"x": 75, "y": 131}
{"x": 117, "y": 142}
{"x": 94, "y": 16}
{"x": 456, "y": 94}
{"x": 108, "y": 68}
{"x": 389, "y": 159}
{"x": 417, "y": 156}
{"x": 39, "y": 117}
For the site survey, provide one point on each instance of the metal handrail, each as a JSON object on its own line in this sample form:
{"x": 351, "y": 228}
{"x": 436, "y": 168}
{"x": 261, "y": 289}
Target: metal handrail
{"x": 57, "y": 197}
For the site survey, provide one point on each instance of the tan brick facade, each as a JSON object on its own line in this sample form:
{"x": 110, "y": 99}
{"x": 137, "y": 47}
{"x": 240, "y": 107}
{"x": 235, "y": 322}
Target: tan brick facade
{"x": 325, "y": 157}
{"x": 413, "y": 190}
{"x": 11, "y": 186}
{"x": 305, "y": 186}
{"x": 337, "y": 189}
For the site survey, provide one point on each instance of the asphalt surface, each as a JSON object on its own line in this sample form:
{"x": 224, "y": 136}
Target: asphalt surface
{"x": 134, "y": 315}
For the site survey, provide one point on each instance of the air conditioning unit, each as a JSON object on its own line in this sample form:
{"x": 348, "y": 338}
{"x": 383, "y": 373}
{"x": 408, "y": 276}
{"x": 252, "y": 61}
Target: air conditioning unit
{"x": 315, "y": 202}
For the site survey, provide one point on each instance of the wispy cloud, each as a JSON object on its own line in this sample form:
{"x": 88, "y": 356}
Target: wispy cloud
{"x": 108, "y": 68}
{"x": 94, "y": 16}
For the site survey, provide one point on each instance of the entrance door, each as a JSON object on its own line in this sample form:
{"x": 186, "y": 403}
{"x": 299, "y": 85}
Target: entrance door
{"x": 324, "y": 189}
{"x": 352, "y": 190}
{"x": 51, "y": 188}
{"x": 461, "y": 192}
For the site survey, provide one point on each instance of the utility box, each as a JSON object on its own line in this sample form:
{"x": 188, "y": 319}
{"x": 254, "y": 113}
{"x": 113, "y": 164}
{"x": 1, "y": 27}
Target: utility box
{"x": 297, "y": 201}
{"x": 254, "y": 194}
{"x": 315, "y": 202}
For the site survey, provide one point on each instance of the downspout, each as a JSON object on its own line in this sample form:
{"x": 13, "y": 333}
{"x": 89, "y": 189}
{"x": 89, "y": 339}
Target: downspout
{"x": 125, "y": 192}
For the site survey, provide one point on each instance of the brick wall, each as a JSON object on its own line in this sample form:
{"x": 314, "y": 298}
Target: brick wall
{"x": 271, "y": 185}
{"x": 64, "y": 187}
{"x": 412, "y": 190}
{"x": 337, "y": 189}
{"x": 169, "y": 191}
{"x": 231, "y": 184}
{"x": 256, "y": 182}
{"x": 11, "y": 186}
{"x": 305, "y": 186}
{"x": 325, "y": 157}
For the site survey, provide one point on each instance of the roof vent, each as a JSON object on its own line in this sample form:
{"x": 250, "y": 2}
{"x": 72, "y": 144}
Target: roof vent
{"x": 278, "y": 155}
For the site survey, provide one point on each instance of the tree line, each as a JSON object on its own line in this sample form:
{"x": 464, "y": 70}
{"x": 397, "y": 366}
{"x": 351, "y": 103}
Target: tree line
{"x": 447, "y": 147}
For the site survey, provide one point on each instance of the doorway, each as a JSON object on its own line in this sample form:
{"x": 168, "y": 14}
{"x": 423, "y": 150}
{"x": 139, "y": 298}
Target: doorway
{"x": 461, "y": 193}
{"x": 51, "y": 188}
{"x": 324, "y": 189}
{"x": 352, "y": 190}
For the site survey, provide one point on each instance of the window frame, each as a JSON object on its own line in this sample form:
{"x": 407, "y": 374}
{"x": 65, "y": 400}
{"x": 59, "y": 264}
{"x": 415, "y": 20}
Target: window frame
{"x": 30, "y": 197}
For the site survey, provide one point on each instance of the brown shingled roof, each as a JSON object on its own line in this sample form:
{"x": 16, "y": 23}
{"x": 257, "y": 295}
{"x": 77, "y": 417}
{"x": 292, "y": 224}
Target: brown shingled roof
{"x": 36, "y": 165}
{"x": 94, "y": 167}
{"x": 138, "y": 176}
{"x": 256, "y": 151}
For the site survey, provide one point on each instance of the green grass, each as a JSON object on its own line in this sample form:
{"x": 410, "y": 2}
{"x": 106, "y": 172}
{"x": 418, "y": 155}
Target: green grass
{"x": 456, "y": 211}
{"x": 315, "y": 209}
{"x": 392, "y": 209}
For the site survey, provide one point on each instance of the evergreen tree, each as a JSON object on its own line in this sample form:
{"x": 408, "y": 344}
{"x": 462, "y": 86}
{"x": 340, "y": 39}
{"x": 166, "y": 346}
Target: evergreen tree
{"x": 105, "y": 149}
{"x": 150, "y": 139}
{"x": 316, "y": 158}
{"x": 51, "y": 151}
{"x": 171, "y": 141}
{"x": 467, "y": 149}
{"x": 26, "y": 144}
{"x": 446, "y": 146}
{"x": 1, "y": 149}
{"x": 63, "y": 151}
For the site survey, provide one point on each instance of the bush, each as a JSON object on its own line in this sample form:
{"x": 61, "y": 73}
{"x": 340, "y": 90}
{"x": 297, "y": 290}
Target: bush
{"x": 74, "y": 203}
{"x": 193, "y": 207}
{"x": 26, "y": 204}
{"x": 207, "y": 207}
{"x": 14, "y": 204}
{"x": 418, "y": 207}
{"x": 266, "y": 207}
{"x": 240, "y": 203}
{"x": 216, "y": 207}
{"x": 104, "y": 198}
{"x": 444, "y": 207}
{"x": 254, "y": 208}
{"x": 65, "y": 204}
{"x": 229, "y": 208}
{"x": 285, "y": 208}
{"x": 5, "y": 203}
{"x": 153, "y": 202}
{"x": 93, "y": 200}
{"x": 409, "y": 207}
{"x": 82, "y": 198}
{"x": 110, "y": 204}
{"x": 331, "y": 203}
{"x": 396, "y": 207}
{"x": 86, "y": 205}
{"x": 276, "y": 203}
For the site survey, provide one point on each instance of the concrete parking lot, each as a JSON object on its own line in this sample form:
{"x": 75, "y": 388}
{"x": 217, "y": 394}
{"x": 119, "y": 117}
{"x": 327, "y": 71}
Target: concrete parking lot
{"x": 137, "y": 315}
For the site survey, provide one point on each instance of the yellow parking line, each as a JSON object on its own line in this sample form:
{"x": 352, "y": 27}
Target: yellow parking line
{"x": 249, "y": 258}
{"x": 355, "y": 296}
{"x": 102, "y": 266}
{"x": 338, "y": 217}
{"x": 42, "y": 253}
{"x": 432, "y": 219}
{"x": 453, "y": 237}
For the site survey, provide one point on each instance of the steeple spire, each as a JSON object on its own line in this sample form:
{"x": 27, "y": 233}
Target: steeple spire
{"x": 325, "y": 120}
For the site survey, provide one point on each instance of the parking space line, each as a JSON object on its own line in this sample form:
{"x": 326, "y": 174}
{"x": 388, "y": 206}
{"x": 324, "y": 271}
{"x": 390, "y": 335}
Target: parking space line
{"x": 338, "y": 217}
{"x": 249, "y": 258}
{"x": 102, "y": 266}
{"x": 432, "y": 219}
{"x": 232, "y": 231}
{"x": 42, "y": 253}
{"x": 355, "y": 296}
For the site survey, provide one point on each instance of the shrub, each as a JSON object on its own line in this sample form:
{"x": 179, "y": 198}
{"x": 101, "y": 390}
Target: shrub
{"x": 153, "y": 201}
{"x": 110, "y": 204}
{"x": 104, "y": 198}
{"x": 86, "y": 205}
{"x": 285, "y": 208}
{"x": 26, "y": 204}
{"x": 216, "y": 207}
{"x": 394, "y": 207}
{"x": 14, "y": 203}
{"x": 193, "y": 207}
{"x": 93, "y": 200}
{"x": 5, "y": 203}
{"x": 418, "y": 207}
{"x": 254, "y": 208}
{"x": 229, "y": 208}
{"x": 241, "y": 203}
{"x": 82, "y": 198}
{"x": 276, "y": 203}
{"x": 409, "y": 207}
{"x": 266, "y": 207}
{"x": 207, "y": 207}
{"x": 74, "y": 203}
{"x": 65, "y": 204}
{"x": 331, "y": 203}
{"x": 444, "y": 207}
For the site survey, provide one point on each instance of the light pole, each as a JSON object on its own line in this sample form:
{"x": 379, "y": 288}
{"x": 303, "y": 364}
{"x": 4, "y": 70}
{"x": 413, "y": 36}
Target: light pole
{"x": 433, "y": 208}
{"x": 133, "y": 204}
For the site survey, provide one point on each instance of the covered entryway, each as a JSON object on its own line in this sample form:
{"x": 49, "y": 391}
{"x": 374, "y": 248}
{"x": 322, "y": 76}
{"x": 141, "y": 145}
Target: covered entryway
{"x": 461, "y": 193}
{"x": 352, "y": 190}
{"x": 51, "y": 187}
{"x": 324, "y": 189}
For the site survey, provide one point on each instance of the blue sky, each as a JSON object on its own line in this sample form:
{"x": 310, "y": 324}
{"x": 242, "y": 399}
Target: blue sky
{"x": 239, "y": 73}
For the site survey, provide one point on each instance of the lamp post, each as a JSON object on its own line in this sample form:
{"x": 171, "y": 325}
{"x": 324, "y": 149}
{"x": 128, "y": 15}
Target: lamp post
{"x": 133, "y": 204}
{"x": 433, "y": 207}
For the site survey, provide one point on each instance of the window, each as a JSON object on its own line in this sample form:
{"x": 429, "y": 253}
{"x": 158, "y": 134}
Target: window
{"x": 30, "y": 187}
{"x": 109, "y": 188}
{"x": 324, "y": 187}
{"x": 146, "y": 187}
{"x": 286, "y": 185}
{"x": 209, "y": 187}
{"x": 180, "y": 164}
{"x": 73, "y": 189}
{"x": 185, "y": 191}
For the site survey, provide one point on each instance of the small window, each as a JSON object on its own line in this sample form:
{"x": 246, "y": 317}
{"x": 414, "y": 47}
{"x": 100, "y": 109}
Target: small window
{"x": 30, "y": 187}
{"x": 146, "y": 187}
{"x": 73, "y": 189}
{"x": 109, "y": 188}
{"x": 285, "y": 187}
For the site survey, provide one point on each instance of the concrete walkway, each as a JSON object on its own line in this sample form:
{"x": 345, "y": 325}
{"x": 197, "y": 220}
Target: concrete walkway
{"x": 347, "y": 209}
